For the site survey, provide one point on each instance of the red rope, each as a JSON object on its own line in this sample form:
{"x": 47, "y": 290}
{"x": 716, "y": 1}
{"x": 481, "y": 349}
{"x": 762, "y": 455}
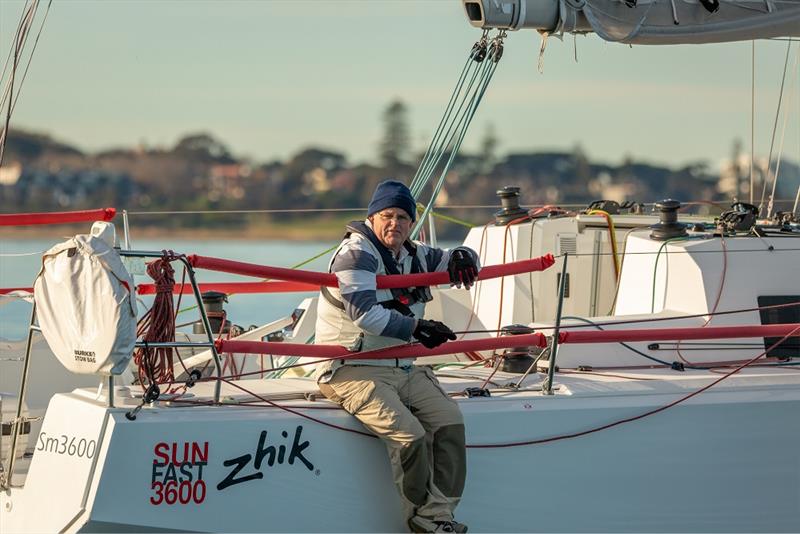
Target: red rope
{"x": 391, "y": 281}
{"x": 716, "y": 302}
{"x": 158, "y": 325}
{"x": 58, "y": 217}
{"x": 294, "y": 410}
{"x": 795, "y": 332}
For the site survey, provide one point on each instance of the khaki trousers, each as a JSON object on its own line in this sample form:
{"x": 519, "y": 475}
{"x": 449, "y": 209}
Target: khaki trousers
{"x": 422, "y": 427}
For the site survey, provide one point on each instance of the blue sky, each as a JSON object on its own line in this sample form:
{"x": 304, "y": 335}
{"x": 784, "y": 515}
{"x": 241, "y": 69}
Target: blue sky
{"x": 271, "y": 77}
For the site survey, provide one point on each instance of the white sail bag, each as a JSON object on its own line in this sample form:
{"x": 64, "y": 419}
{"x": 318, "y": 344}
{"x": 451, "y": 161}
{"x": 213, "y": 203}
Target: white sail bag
{"x": 85, "y": 307}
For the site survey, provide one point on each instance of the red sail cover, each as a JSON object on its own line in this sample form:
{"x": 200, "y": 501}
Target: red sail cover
{"x": 57, "y": 217}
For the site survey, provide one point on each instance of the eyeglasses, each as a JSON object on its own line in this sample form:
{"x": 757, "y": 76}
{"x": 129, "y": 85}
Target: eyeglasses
{"x": 401, "y": 217}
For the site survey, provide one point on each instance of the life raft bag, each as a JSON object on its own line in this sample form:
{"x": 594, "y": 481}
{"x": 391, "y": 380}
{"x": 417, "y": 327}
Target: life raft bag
{"x": 84, "y": 306}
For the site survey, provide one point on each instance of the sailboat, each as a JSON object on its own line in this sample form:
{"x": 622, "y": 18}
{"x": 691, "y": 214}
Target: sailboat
{"x": 619, "y": 370}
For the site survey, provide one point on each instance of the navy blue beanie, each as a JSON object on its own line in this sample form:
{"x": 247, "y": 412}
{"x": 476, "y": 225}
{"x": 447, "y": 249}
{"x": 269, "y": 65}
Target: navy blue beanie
{"x": 392, "y": 194}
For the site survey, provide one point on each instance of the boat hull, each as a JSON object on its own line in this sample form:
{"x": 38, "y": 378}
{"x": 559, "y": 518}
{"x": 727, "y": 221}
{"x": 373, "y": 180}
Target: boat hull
{"x": 722, "y": 461}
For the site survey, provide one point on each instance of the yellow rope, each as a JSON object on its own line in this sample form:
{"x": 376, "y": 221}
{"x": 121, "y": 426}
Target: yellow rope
{"x": 612, "y": 234}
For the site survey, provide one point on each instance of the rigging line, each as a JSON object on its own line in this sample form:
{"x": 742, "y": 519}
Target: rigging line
{"x": 630, "y": 348}
{"x": 786, "y": 114}
{"x": 445, "y": 117}
{"x": 716, "y": 301}
{"x": 3, "y": 134}
{"x": 500, "y": 301}
{"x": 622, "y": 264}
{"x": 23, "y": 23}
{"x": 775, "y": 126}
{"x": 19, "y": 46}
{"x": 299, "y": 414}
{"x": 244, "y": 212}
{"x": 467, "y": 119}
{"x": 642, "y": 415}
{"x": 21, "y": 254}
{"x": 448, "y": 110}
{"x": 478, "y": 50}
{"x": 752, "y": 114}
{"x": 443, "y": 136}
{"x": 651, "y": 319}
{"x": 668, "y": 252}
{"x": 22, "y": 17}
{"x": 488, "y": 65}
{"x": 33, "y": 50}
{"x": 446, "y": 140}
{"x": 655, "y": 269}
{"x": 21, "y": 40}
{"x": 796, "y": 200}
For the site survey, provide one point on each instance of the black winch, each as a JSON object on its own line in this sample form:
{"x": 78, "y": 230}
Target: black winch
{"x": 668, "y": 227}
{"x": 509, "y": 200}
{"x": 213, "y": 304}
{"x": 517, "y": 359}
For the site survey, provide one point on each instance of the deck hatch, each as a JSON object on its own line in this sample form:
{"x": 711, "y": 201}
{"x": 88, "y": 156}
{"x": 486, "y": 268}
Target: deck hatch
{"x": 790, "y": 314}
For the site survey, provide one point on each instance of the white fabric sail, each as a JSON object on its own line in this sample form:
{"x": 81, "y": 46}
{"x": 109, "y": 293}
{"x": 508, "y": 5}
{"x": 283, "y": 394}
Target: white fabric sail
{"x": 644, "y": 21}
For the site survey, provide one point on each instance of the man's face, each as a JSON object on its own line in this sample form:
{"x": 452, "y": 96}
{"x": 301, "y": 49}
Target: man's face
{"x": 392, "y": 226}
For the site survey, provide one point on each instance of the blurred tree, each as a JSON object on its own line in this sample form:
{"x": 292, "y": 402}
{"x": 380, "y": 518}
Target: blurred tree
{"x": 203, "y": 146}
{"x": 395, "y": 145}
{"x": 489, "y": 148}
{"x": 583, "y": 170}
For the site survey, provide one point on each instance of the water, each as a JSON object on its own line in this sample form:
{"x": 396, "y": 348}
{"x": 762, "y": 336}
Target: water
{"x": 17, "y": 270}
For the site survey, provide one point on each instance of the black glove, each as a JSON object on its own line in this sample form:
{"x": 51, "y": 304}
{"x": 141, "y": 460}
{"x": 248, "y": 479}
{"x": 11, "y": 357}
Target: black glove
{"x": 432, "y": 333}
{"x": 462, "y": 269}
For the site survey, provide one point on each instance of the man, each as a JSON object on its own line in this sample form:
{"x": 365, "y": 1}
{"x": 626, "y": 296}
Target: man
{"x": 401, "y": 403}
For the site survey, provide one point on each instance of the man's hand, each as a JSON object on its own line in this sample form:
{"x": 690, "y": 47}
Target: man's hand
{"x": 462, "y": 269}
{"x": 432, "y": 333}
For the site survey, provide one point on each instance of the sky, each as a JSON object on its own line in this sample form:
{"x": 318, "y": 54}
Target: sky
{"x": 269, "y": 78}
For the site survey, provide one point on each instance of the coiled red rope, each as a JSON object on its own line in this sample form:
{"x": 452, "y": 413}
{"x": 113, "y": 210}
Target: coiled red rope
{"x": 158, "y": 325}
{"x": 57, "y": 217}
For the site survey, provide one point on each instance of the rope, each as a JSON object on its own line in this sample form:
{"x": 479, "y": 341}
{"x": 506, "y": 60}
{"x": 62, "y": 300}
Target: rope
{"x": 716, "y": 301}
{"x": 459, "y": 112}
{"x": 612, "y": 238}
{"x": 20, "y": 39}
{"x": 775, "y": 126}
{"x": 786, "y": 114}
{"x": 636, "y": 417}
{"x": 294, "y": 411}
{"x": 158, "y": 325}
